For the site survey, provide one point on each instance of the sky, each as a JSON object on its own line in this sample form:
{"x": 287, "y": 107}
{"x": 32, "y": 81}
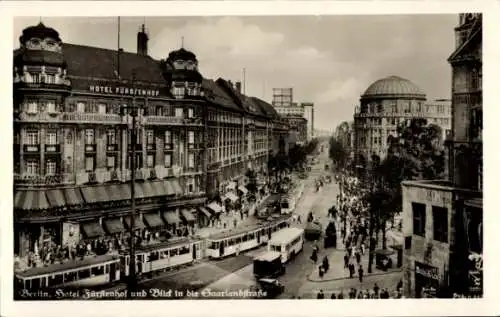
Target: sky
{"x": 328, "y": 60}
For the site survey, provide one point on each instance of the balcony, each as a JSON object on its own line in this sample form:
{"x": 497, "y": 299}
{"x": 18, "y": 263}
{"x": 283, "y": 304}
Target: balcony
{"x": 138, "y": 147}
{"x": 112, "y": 147}
{"x": 31, "y": 148}
{"x": 151, "y": 147}
{"x": 161, "y": 120}
{"x": 90, "y": 148}
{"x": 60, "y": 85}
{"x": 81, "y": 117}
{"x": 169, "y": 147}
{"x": 29, "y": 180}
{"x": 214, "y": 166}
{"x": 193, "y": 121}
{"x": 52, "y": 148}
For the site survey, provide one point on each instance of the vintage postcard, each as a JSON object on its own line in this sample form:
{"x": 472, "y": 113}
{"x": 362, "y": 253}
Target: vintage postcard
{"x": 329, "y": 157}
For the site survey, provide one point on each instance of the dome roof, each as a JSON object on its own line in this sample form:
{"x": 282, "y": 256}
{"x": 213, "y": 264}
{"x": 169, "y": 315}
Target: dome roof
{"x": 182, "y": 54}
{"x": 393, "y": 86}
{"x": 40, "y": 31}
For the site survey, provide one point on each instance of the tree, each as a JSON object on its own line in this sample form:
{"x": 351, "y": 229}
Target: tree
{"x": 415, "y": 153}
{"x": 337, "y": 153}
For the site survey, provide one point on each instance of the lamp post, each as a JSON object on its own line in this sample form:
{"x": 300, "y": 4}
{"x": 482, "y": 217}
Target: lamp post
{"x": 132, "y": 111}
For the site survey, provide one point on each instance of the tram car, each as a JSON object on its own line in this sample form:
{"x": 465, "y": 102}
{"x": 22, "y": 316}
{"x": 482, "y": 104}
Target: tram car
{"x": 242, "y": 239}
{"x": 89, "y": 272}
{"x": 162, "y": 256}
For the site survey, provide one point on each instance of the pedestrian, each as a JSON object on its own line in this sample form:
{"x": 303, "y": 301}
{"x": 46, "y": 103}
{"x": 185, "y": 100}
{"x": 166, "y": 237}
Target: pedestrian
{"x": 360, "y": 273}
{"x": 314, "y": 256}
{"x": 333, "y": 296}
{"x": 320, "y": 295}
{"x": 321, "y": 271}
{"x": 363, "y": 247}
{"x": 326, "y": 264}
{"x": 346, "y": 261}
{"x": 376, "y": 288}
{"x": 358, "y": 257}
{"x": 351, "y": 270}
{"x": 341, "y": 295}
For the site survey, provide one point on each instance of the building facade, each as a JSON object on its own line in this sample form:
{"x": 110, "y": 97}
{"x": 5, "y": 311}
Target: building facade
{"x": 344, "y": 134}
{"x": 442, "y": 219}
{"x": 73, "y": 116}
{"x": 384, "y": 105}
{"x": 309, "y": 116}
{"x": 298, "y": 131}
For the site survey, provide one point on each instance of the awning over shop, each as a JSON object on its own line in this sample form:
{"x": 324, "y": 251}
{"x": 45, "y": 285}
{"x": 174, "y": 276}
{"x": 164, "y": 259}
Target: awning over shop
{"x": 476, "y": 203}
{"x": 56, "y": 197}
{"x": 153, "y": 220}
{"x": 139, "y": 190}
{"x": 177, "y": 187}
{"x": 205, "y": 212}
{"x": 31, "y": 200}
{"x": 125, "y": 191}
{"x": 92, "y": 229}
{"x": 73, "y": 196}
{"x": 243, "y": 189}
{"x": 113, "y": 225}
{"x": 95, "y": 194}
{"x": 188, "y": 215}
{"x": 231, "y": 196}
{"x": 115, "y": 193}
{"x": 168, "y": 189}
{"x": 171, "y": 217}
{"x": 158, "y": 188}
{"x": 139, "y": 224}
{"x": 148, "y": 190}
{"x": 215, "y": 207}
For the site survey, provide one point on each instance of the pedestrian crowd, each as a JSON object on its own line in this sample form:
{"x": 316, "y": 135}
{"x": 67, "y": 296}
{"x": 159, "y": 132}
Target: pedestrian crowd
{"x": 375, "y": 293}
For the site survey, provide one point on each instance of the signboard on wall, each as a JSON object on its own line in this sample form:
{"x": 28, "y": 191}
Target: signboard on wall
{"x": 427, "y": 271}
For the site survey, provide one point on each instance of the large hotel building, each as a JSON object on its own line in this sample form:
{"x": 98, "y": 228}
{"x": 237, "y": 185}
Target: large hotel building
{"x": 196, "y": 138}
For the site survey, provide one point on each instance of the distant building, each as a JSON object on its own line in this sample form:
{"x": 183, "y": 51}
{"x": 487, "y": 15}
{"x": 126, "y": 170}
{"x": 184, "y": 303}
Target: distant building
{"x": 383, "y": 106}
{"x": 345, "y": 135}
{"x": 298, "y": 131}
{"x": 442, "y": 219}
{"x": 309, "y": 115}
{"x": 282, "y": 97}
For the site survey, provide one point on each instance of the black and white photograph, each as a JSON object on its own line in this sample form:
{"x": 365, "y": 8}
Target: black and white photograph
{"x": 235, "y": 157}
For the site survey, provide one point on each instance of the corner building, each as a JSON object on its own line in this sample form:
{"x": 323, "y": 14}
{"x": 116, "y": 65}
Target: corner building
{"x": 384, "y": 105}
{"x": 73, "y": 146}
{"x": 442, "y": 219}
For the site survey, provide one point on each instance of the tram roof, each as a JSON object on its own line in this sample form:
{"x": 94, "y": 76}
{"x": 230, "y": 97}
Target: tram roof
{"x": 286, "y": 234}
{"x": 66, "y": 266}
{"x": 161, "y": 245}
{"x": 238, "y": 231}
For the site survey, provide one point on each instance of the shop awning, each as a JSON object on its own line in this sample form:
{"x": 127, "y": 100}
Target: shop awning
{"x": 92, "y": 229}
{"x": 139, "y": 190}
{"x": 243, "y": 189}
{"x": 113, "y": 225}
{"x": 177, "y": 187}
{"x": 188, "y": 215}
{"x": 73, "y": 196}
{"x": 115, "y": 193}
{"x": 94, "y": 194}
{"x": 153, "y": 220}
{"x": 125, "y": 191}
{"x": 205, "y": 212}
{"x": 171, "y": 217}
{"x": 56, "y": 197}
{"x": 231, "y": 196}
{"x": 148, "y": 190}
{"x": 31, "y": 200}
{"x": 158, "y": 189}
{"x": 168, "y": 190}
{"x": 139, "y": 224}
{"x": 215, "y": 207}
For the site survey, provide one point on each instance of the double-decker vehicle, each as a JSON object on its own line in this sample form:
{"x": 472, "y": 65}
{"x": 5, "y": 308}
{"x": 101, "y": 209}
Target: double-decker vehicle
{"x": 78, "y": 273}
{"x": 237, "y": 240}
{"x": 162, "y": 256}
{"x": 268, "y": 264}
{"x": 288, "y": 242}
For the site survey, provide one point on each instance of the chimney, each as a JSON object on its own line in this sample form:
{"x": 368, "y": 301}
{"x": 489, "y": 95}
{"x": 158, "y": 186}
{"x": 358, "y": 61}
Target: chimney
{"x": 142, "y": 41}
{"x": 238, "y": 86}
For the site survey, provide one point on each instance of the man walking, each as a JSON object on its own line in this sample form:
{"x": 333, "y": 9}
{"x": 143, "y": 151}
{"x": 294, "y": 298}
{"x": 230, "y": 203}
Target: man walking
{"x": 360, "y": 273}
{"x": 346, "y": 261}
{"x": 351, "y": 270}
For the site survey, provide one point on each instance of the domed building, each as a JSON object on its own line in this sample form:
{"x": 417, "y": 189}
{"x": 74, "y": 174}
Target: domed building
{"x": 386, "y": 103}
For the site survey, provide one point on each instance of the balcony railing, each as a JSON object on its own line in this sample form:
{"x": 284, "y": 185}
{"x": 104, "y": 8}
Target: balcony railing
{"x": 168, "y": 146}
{"x": 52, "y": 148}
{"x": 31, "y": 148}
{"x": 25, "y": 179}
{"x": 193, "y": 121}
{"x": 159, "y": 120}
{"x": 112, "y": 147}
{"x": 151, "y": 147}
{"x": 59, "y": 85}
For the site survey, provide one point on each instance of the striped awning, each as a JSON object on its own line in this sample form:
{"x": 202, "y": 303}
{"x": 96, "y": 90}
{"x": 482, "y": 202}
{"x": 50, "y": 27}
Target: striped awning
{"x": 188, "y": 215}
{"x": 95, "y": 194}
{"x": 56, "y": 197}
{"x": 92, "y": 229}
{"x": 139, "y": 190}
{"x": 177, "y": 187}
{"x": 73, "y": 196}
{"x": 125, "y": 191}
{"x": 168, "y": 189}
{"x": 171, "y": 217}
{"x": 115, "y": 193}
{"x": 215, "y": 207}
{"x": 31, "y": 200}
{"x": 148, "y": 190}
{"x": 114, "y": 225}
{"x": 139, "y": 224}
{"x": 205, "y": 212}
{"x": 153, "y": 220}
{"x": 158, "y": 189}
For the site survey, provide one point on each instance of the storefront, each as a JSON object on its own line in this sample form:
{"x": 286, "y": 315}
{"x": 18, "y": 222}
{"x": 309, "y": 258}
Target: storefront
{"x": 426, "y": 280}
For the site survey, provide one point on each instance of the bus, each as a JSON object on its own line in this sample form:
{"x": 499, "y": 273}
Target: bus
{"x": 89, "y": 272}
{"x": 288, "y": 242}
{"x": 268, "y": 264}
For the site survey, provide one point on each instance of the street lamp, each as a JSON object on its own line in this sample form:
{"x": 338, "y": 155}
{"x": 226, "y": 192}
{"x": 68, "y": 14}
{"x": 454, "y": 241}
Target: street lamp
{"x": 132, "y": 111}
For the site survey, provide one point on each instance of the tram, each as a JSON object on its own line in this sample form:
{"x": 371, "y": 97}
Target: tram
{"x": 162, "y": 256}
{"x": 235, "y": 241}
{"x": 89, "y": 272}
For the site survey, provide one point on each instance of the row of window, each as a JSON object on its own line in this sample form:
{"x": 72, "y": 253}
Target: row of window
{"x": 396, "y": 121}
{"x": 439, "y": 221}
{"x": 157, "y": 255}
{"x": 405, "y": 108}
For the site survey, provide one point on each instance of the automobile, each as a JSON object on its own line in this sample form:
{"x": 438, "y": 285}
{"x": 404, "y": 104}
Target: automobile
{"x": 383, "y": 259}
{"x": 313, "y": 231}
{"x": 272, "y": 287}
